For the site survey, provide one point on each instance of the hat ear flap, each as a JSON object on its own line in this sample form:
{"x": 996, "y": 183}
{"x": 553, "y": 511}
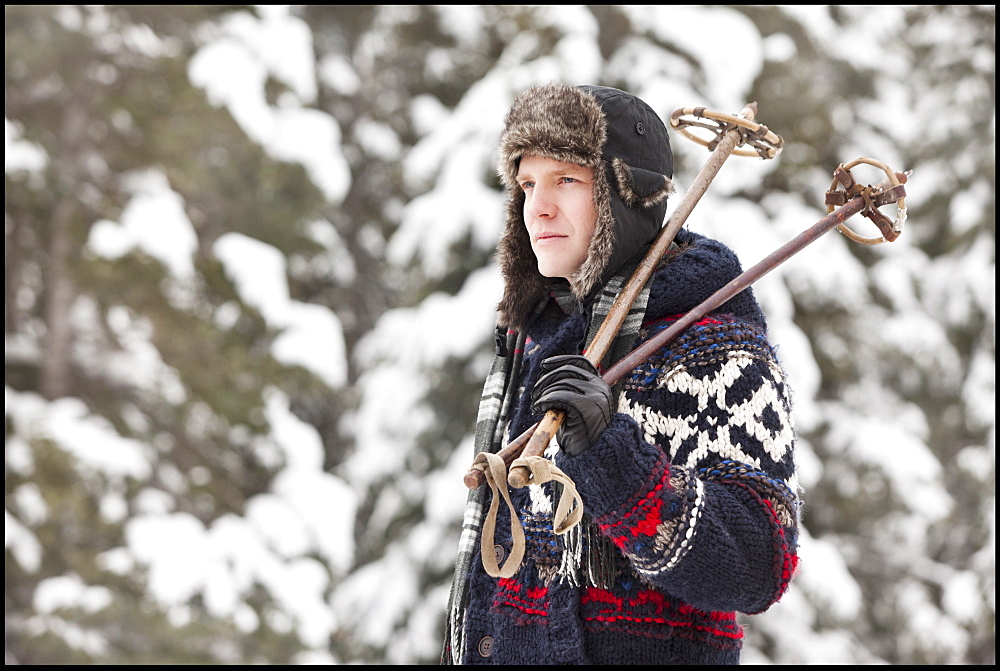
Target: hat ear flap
{"x": 640, "y": 188}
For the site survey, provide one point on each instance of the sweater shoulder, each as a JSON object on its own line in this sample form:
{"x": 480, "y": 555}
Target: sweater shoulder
{"x": 708, "y": 341}
{"x": 693, "y": 270}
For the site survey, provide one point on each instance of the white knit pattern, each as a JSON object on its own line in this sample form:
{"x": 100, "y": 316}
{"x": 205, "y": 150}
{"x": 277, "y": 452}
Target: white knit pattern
{"x": 671, "y": 431}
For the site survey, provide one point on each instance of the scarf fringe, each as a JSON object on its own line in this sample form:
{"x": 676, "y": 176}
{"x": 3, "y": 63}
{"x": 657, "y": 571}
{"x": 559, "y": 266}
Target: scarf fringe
{"x": 588, "y": 558}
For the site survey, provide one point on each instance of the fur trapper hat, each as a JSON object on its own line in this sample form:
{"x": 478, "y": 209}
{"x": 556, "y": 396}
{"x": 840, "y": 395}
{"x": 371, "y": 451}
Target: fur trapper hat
{"x": 626, "y": 143}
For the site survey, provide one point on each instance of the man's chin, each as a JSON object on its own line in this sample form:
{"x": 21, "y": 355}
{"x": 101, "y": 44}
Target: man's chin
{"x": 552, "y": 273}
{"x": 554, "y": 267}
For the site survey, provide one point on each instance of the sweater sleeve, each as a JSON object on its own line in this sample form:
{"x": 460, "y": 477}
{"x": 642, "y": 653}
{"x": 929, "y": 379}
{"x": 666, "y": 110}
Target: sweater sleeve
{"x": 694, "y": 479}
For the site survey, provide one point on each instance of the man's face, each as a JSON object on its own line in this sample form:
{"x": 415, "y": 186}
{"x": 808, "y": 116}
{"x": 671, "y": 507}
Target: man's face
{"x": 559, "y": 212}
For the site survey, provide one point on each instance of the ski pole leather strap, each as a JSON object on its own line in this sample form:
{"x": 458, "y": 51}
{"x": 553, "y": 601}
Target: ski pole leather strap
{"x": 569, "y": 510}
{"x": 496, "y": 478}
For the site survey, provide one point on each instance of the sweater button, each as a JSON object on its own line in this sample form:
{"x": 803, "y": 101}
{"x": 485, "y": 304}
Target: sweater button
{"x": 499, "y": 553}
{"x": 486, "y": 646}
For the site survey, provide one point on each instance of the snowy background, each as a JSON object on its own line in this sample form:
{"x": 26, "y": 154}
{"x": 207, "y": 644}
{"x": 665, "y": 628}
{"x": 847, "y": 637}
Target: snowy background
{"x": 345, "y": 311}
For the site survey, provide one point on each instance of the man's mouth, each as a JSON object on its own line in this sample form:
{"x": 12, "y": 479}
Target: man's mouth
{"x": 544, "y": 237}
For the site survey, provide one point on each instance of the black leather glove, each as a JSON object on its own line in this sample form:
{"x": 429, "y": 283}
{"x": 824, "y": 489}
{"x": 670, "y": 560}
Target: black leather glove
{"x": 571, "y": 383}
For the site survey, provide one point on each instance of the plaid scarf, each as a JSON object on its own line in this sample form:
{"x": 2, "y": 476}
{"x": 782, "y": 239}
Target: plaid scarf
{"x": 499, "y": 393}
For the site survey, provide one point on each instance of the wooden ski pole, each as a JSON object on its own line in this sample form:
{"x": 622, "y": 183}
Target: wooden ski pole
{"x": 731, "y": 132}
{"x": 867, "y": 199}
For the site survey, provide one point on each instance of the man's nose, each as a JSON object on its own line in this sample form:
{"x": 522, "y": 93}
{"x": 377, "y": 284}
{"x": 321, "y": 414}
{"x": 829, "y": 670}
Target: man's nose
{"x": 539, "y": 204}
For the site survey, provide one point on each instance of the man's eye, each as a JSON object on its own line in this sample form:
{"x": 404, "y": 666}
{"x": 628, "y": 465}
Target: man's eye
{"x": 570, "y": 180}
{"x": 527, "y": 185}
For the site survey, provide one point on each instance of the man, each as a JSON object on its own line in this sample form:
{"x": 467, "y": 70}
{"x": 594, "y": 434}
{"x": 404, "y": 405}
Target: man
{"x": 685, "y": 468}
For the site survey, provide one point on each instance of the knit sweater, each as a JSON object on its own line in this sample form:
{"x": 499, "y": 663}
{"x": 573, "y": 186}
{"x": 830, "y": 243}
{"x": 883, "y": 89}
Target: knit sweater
{"x": 691, "y": 510}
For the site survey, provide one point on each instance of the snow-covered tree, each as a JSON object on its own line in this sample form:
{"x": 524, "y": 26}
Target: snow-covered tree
{"x": 249, "y": 295}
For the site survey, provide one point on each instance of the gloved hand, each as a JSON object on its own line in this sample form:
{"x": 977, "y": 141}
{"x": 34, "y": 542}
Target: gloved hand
{"x": 571, "y": 383}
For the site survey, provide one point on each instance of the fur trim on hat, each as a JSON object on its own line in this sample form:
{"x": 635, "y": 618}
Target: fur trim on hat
{"x": 558, "y": 122}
